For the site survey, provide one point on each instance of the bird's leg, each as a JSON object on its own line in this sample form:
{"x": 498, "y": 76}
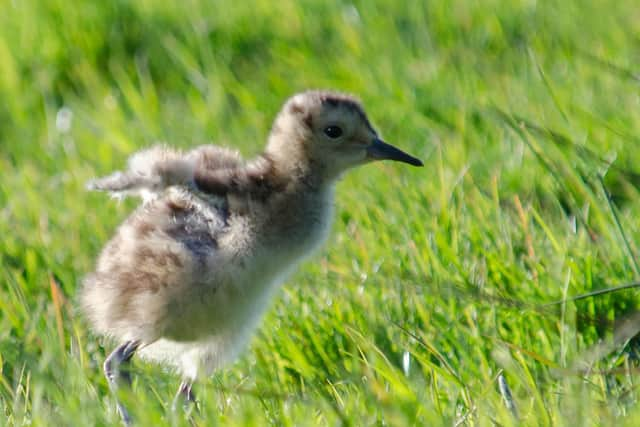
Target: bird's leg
{"x": 184, "y": 395}
{"x": 113, "y": 370}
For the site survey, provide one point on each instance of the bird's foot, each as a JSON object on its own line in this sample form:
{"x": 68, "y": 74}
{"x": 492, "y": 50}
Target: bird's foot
{"x": 185, "y": 396}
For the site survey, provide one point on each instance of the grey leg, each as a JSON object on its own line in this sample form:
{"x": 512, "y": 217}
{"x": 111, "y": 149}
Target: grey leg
{"x": 184, "y": 395}
{"x": 113, "y": 370}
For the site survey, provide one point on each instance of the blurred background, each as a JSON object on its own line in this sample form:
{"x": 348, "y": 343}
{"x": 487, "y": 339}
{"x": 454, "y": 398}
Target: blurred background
{"x": 445, "y": 296}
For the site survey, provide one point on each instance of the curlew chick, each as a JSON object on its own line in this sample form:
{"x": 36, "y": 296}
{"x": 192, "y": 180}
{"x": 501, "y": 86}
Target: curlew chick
{"x": 187, "y": 277}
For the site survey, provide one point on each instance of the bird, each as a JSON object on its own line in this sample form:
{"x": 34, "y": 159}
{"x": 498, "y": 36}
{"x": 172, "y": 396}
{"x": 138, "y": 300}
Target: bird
{"x": 188, "y": 275}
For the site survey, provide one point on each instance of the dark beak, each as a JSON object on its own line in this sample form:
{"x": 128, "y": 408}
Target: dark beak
{"x": 380, "y": 150}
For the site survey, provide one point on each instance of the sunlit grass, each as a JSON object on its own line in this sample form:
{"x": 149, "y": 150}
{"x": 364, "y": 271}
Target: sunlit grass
{"x": 435, "y": 282}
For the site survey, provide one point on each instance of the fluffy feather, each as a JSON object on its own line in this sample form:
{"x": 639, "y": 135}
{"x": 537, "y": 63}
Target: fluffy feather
{"x": 153, "y": 170}
{"x": 187, "y": 275}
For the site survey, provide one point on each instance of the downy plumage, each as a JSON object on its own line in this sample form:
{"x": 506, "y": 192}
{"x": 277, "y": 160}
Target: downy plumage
{"x": 187, "y": 277}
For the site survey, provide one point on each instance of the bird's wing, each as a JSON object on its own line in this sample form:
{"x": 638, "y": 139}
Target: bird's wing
{"x": 153, "y": 170}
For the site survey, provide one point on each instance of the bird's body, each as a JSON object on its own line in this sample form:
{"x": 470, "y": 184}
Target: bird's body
{"x": 188, "y": 275}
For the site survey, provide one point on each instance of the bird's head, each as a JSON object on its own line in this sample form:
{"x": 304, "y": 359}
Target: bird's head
{"x": 327, "y": 133}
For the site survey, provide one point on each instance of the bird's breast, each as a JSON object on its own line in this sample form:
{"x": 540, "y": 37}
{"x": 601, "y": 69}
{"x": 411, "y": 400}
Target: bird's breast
{"x": 268, "y": 245}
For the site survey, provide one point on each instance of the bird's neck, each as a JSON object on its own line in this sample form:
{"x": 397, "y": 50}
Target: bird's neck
{"x": 291, "y": 164}
{"x": 303, "y": 214}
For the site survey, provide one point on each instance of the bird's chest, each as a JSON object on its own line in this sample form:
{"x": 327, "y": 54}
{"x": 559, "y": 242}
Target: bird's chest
{"x": 282, "y": 240}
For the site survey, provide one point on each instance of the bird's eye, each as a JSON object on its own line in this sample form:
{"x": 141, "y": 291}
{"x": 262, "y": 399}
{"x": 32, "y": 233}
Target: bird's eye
{"x": 333, "y": 132}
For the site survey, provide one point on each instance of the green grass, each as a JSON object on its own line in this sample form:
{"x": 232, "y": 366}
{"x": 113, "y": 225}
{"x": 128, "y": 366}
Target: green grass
{"x": 517, "y": 109}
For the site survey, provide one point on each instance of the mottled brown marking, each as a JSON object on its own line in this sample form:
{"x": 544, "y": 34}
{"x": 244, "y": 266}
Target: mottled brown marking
{"x": 308, "y": 120}
{"x": 174, "y": 259}
{"x": 164, "y": 258}
{"x": 143, "y": 255}
{"x": 144, "y": 229}
{"x": 134, "y": 282}
{"x": 295, "y": 108}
